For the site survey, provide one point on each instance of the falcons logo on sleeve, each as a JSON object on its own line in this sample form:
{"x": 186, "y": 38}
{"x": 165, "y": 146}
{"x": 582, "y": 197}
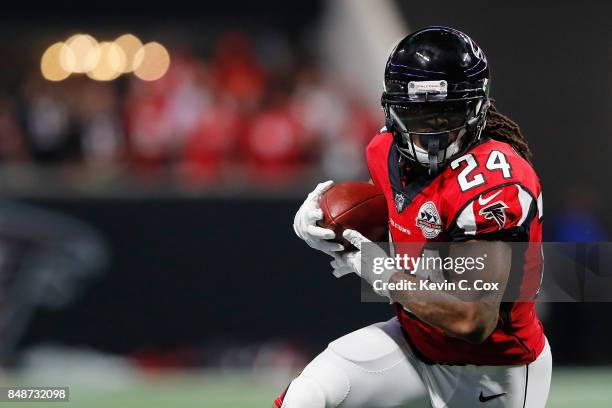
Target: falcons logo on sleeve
{"x": 495, "y": 212}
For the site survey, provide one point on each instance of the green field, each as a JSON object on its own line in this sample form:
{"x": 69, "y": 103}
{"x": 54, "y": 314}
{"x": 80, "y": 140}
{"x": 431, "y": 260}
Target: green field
{"x": 576, "y": 387}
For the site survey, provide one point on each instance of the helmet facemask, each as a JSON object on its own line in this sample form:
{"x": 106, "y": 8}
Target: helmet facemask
{"x": 430, "y": 133}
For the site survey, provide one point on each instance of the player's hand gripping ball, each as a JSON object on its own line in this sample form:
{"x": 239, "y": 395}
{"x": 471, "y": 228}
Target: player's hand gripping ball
{"x": 354, "y": 205}
{"x": 305, "y": 222}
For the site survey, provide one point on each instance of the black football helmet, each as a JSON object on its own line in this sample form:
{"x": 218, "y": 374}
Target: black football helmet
{"x": 436, "y": 95}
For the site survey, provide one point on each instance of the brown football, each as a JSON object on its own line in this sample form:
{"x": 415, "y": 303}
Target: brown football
{"x": 355, "y": 205}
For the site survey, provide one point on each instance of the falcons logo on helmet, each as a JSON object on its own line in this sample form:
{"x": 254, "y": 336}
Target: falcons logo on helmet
{"x": 495, "y": 212}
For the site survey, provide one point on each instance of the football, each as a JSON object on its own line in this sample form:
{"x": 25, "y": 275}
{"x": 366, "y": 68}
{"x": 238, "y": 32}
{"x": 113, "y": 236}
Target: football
{"x": 356, "y": 205}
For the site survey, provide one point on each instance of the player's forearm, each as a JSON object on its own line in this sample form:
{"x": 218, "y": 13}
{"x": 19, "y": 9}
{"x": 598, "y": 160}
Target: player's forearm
{"x": 472, "y": 321}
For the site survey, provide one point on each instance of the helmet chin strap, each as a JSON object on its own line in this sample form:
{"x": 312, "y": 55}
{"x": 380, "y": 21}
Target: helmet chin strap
{"x": 433, "y": 147}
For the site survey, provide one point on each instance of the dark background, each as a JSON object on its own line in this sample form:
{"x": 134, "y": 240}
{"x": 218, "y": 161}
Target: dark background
{"x": 193, "y": 274}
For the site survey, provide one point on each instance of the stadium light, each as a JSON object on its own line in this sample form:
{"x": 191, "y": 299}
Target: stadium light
{"x": 130, "y": 44}
{"x": 104, "y": 61}
{"x": 152, "y": 61}
{"x": 111, "y": 63}
{"x": 81, "y": 54}
{"x": 50, "y": 65}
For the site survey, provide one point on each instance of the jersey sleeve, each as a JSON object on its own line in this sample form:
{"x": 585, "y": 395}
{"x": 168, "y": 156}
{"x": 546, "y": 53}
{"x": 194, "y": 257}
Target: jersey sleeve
{"x": 503, "y": 212}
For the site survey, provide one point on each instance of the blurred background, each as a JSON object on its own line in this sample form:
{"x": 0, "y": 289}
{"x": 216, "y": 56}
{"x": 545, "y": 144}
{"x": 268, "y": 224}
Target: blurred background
{"x": 152, "y": 159}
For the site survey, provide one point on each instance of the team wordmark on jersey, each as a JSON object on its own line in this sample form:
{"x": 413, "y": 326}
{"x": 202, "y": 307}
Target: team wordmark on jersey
{"x": 495, "y": 212}
{"x": 428, "y": 220}
{"x": 399, "y": 226}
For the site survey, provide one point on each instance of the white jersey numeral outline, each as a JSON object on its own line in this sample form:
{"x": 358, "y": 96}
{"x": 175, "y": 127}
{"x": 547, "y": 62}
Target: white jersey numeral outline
{"x": 496, "y": 161}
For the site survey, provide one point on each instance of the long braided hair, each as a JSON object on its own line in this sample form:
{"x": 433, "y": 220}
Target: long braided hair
{"x": 504, "y": 129}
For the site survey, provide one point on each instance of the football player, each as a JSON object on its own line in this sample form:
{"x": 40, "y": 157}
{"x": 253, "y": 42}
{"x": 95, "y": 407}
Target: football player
{"x": 452, "y": 169}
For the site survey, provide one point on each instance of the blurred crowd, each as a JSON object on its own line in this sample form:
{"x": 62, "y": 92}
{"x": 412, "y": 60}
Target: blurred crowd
{"x": 249, "y": 113}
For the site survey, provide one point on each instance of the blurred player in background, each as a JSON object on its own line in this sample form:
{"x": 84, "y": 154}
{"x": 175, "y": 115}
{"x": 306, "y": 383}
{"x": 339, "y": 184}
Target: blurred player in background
{"x": 452, "y": 169}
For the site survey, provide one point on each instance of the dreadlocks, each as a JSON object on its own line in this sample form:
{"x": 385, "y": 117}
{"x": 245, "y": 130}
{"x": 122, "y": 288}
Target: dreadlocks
{"x": 504, "y": 129}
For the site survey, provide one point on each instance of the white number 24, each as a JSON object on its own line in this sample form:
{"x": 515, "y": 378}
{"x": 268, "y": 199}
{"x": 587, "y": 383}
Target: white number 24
{"x": 496, "y": 161}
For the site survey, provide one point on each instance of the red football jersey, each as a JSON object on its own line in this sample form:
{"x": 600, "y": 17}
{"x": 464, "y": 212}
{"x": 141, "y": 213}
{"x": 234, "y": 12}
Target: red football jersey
{"x": 489, "y": 192}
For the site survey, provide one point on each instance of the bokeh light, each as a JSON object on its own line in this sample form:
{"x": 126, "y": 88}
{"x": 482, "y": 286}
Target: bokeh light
{"x": 105, "y": 61}
{"x": 81, "y": 54}
{"x": 130, "y": 44}
{"x": 152, "y": 61}
{"x": 50, "y": 64}
{"x": 111, "y": 63}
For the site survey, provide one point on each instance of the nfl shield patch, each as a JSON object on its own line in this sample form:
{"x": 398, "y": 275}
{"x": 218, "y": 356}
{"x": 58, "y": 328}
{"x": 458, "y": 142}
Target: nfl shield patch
{"x": 399, "y": 202}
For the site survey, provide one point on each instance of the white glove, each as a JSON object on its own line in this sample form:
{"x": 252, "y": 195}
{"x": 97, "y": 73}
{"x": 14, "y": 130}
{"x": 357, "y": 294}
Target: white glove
{"x": 342, "y": 266}
{"x": 305, "y": 222}
{"x": 351, "y": 262}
